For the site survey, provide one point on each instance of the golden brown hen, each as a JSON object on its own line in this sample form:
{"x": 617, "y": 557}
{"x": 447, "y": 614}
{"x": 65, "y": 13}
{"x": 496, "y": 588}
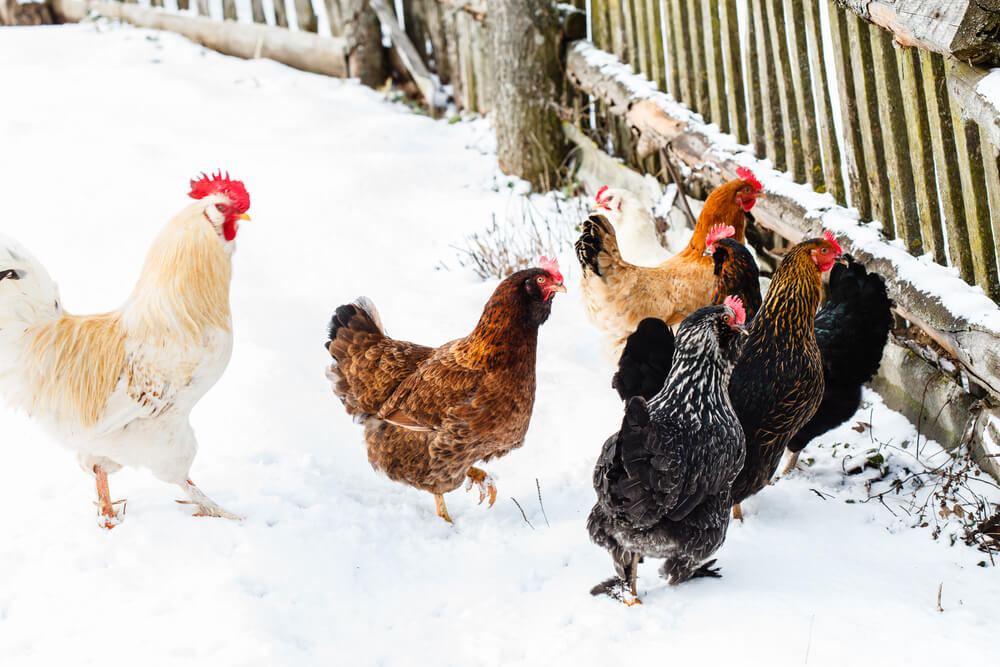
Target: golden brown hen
{"x": 619, "y": 295}
{"x": 430, "y": 413}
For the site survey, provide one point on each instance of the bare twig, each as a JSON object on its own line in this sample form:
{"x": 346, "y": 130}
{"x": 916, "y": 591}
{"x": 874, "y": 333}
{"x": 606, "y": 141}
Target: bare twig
{"x": 940, "y": 586}
{"x": 523, "y": 515}
{"x": 539, "y": 487}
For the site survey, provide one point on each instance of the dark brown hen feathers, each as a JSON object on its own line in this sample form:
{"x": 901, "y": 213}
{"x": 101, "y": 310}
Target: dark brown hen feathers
{"x": 430, "y": 413}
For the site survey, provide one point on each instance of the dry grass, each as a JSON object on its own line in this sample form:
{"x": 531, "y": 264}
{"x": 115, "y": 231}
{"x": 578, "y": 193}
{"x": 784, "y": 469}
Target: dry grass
{"x": 526, "y": 234}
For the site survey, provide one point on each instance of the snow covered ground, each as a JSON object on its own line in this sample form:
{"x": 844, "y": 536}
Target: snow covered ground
{"x": 99, "y": 131}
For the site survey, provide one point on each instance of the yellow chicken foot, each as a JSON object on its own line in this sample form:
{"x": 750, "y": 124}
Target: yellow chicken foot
{"x": 441, "y": 509}
{"x": 106, "y": 513}
{"x": 737, "y": 512}
{"x": 793, "y": 461}
{"x": 484, "y": 481}
{"x": 633, "y": 574}
{"x": 206, "y": 506}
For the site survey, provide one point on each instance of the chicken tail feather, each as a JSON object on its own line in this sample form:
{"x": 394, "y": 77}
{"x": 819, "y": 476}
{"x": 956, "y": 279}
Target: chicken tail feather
{"x": 597, "y": 246}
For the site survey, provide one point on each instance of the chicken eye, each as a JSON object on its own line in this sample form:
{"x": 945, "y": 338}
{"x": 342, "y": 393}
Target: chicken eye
{"x": 540, "y": 280}
{"x": 726, "y": 319}
{"x": 220, "y": 208}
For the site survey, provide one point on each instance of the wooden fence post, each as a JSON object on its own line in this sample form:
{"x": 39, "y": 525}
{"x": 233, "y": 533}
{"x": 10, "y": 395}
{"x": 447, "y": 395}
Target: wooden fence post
{"x": 729, "y": 29}
{"x": 857, "y": 172}
{"x": 363, "y": 34}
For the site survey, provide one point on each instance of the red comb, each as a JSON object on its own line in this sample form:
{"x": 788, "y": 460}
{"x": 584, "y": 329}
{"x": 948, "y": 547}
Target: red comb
{"x": 828, "y": 235}
{"x": 599, "y": 193}
{"x": 552, "y": 266}
{"x": 718, "y": 232}
{"x": 736, "y": 305}
{"x": 745, "y": 174}
{"x": 219, "y": 184}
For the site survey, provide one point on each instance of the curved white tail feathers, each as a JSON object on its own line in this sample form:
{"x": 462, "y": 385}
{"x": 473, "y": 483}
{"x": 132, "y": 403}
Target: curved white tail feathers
{"x": 28, "y": 297}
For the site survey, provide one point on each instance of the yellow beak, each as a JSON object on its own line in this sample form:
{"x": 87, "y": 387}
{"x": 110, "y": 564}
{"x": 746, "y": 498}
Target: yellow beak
{"x": 558, "y": 288}
{"x": 243, "y": 216}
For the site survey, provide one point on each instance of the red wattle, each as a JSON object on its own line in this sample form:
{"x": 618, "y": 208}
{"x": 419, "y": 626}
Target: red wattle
{"x": 229, "y": 229}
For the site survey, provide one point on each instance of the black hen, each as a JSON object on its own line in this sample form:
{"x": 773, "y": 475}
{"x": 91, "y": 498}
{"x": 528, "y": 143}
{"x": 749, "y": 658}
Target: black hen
{"x": 851, "y": 331}
{"x": 645, "y": 361}
{"x": 736, "y": 274}
{"x": 663, "y": 481}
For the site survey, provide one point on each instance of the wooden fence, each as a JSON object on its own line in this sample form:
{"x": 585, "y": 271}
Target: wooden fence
{"x": 914, "y": 159}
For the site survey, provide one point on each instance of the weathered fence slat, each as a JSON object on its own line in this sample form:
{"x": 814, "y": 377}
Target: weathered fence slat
{"x": 699, "y": 101}
{"x": 921, "y": 155}
{"x": 826, "y": 127}
{"x": 718, "y": 110}
{"x": 977, "y": 208}
{"x": 949, "y": 180}
{"x": 257, "y": 9}
{"x": 682, "y": 44}
{"x": 755, "y": 92}
{"x": 228, "y": 8}
{"x": 895, "y": 143}
{"x": 599, "y": 28}
{"x": 857, "y": 173}
{"x": 865, "y": 91}
{"x": 616, "y": 19}
{"x": 637, "y": 36}
{"x": 991, "y": 166}
{"x": 671, "y": 40}
{"x": 790, "y": 119}
{"x": 770, "y": 99}
{"x": 802, "y": 91}
{"x": 657, "y": 64}
{"x": 280, "y": 15}
{"x": 729, "y": 30}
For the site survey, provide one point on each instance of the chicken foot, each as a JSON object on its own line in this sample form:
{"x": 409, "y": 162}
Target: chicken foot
{"x": 485, "y": 482}
{"x": 737, "y": 512}
{"x": 622, "y": 587}
{"x": 106, "y": 512}
{"x": 206, "y": 506}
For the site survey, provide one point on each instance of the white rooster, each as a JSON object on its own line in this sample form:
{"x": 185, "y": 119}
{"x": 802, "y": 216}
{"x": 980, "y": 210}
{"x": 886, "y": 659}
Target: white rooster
{"x": 118, "y": 387}
{"x": 634, "y": 226}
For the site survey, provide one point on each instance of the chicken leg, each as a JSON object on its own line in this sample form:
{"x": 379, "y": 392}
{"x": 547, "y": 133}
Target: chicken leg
{"x": 737, "y": 512}
{"x": 206, "y": 506}
{"x": 793, "y": 462}
{"x": 484, "y": 481}
{"x": 106, "y": 512}
{"x": 441, "y": 509}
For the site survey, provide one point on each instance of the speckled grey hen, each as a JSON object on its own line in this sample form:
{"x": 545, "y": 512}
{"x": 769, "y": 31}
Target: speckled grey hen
{"x": 663, "y": 481}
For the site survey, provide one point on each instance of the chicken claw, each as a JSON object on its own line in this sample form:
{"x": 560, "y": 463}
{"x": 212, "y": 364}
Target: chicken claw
{"x": 106, "y": 514}
{"x": 619, "y": 589}
{"x": 737, "y": 512}
{"x": 206, "y": 506}
{"x": 485, "y": 482}
{"x": 793, "y": 463}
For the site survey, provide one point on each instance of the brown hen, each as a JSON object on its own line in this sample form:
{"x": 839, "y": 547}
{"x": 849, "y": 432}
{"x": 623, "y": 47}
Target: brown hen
{"x": 430, "y": 413}
{"x": 618, "y": 295}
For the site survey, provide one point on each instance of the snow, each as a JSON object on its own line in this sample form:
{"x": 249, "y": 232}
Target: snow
{"x": 939, "y": 283}
{"x": 335, "y": 564}
{"x": 989, "y": 87}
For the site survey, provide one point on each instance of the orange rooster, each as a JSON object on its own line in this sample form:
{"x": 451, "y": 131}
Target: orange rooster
{"x": 429, "y": 414}
{"x": 618, "y": 295}
{"x": 118, "y": 387}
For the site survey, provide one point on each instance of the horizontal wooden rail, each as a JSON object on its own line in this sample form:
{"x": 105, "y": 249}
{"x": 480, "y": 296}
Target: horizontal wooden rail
{"x": 301, "y": 50}
{"x": 795, "y": 212}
